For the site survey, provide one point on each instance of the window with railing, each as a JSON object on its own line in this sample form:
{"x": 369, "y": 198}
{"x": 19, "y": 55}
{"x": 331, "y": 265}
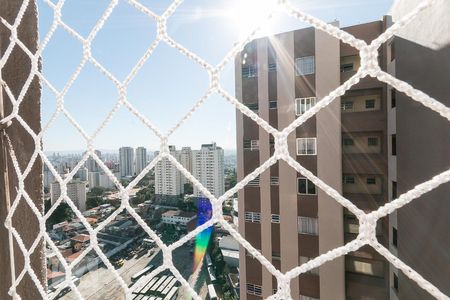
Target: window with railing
{"x": 304, "y": 104}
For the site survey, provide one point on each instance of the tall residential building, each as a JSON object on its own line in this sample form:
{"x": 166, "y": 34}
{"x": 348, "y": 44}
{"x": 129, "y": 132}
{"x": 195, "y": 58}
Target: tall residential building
{"x": 419, "y": 143}
{"x": 368, "y": 145}
{"x": 126, "y": 161}
{"x": 76, "y": 191}
{"x": 186, "y": 161}
{"x": 167, "y": 176}
{"x": 141, "y": 159}
{"x": 91, "y": 164}
{"x": 208, "y": 168}
{"x": 281, "y": 212}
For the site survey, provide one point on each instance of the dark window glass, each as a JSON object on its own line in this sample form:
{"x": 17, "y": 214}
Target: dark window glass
{"x": 393, "y": 98}
{"x": 252, "y": 106}
{"x": 348, "y": 142}
{"x": 392, "y": 51}
{"x": 396, "y": 282}
{"x": 347, "y": 67}
{"x": 349, "y": 179}
{"x": 372, "y": 141}
{"x": 394, "y": 144}
{"x": 394, "y": 190}
{"x": 370, "y": 103}
{"x": 371, "y": 180}
{"x": 311, "y": 188}
{"x": 273, "y": 104}
{"x": 394, "y": 236}
{"x": 272, "y": 67}
{"x": 302, "y": 185}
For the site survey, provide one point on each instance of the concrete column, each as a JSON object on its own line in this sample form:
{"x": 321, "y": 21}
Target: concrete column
{"x": 329, "y": 165}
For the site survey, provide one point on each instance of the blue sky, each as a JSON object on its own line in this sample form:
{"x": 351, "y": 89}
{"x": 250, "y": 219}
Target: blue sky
{"x": 169, "y": 84}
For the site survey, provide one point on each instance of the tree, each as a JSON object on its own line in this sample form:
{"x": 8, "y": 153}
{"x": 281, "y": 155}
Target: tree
{"x": 62, "y": 213}
{"x": 92, "y": 202}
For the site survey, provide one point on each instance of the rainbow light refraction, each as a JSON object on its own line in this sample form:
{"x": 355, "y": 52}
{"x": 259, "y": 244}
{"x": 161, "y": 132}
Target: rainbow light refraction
{"x": 204, "y": 213}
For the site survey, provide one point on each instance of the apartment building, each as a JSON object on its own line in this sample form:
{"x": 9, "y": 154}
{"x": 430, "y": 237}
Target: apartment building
{"x": 141, "y": 159}
{"x": 186, "y": 161}
{"x": 419, "y": 143}
{"x": 284, "y": 214}
{"x": 167, "y": 176}
{"x": 76, "y": 191}
{"x": 367, "y": 145}
{"x": 126, "y": 161}
{"x": 208, "y": 168}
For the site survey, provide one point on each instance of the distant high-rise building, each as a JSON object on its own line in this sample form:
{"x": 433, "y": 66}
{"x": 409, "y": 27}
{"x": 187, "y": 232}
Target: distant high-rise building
{"x": 91, "y": 164}
{"x": 186, "y": 161}
{"x": 82, "y": 174}
{"x": 94, "y": 179}
{"x": 126, "y": 160}
{"x": 76, "y": 191}
{"x": 167, "y": 176}
{"x": 141, "y": 159}
{"x": 208, "y": 168}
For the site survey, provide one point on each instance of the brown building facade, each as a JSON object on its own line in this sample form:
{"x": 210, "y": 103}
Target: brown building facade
{"x": 351, "y": 145}
{"x": 285, "y": 215}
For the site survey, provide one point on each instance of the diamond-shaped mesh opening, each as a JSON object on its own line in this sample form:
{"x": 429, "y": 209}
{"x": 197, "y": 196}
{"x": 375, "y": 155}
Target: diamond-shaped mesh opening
{"x": 367, "y": 222}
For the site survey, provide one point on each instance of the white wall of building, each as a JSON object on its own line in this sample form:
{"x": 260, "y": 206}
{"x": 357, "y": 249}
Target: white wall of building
{"x": 208, "y": 168}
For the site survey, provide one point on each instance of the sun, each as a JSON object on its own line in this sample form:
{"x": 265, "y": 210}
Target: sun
{"x": 246, "y": 15}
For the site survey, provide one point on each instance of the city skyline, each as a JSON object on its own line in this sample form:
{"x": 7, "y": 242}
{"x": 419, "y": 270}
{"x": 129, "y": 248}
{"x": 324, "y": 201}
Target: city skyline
{"x": 149, "y": 92}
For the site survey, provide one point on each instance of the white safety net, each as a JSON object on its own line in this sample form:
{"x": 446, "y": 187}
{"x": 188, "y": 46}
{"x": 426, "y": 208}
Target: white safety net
{"x": 367, "y": 221}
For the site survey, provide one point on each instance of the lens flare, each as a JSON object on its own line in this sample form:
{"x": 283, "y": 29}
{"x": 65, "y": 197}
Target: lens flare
{"x": 202, "y": 239}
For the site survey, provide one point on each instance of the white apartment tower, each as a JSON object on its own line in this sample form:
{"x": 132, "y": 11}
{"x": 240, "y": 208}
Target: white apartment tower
{"x": 76, "y": 191}
{"x": 141, "y": 159}
{"x": 208, "y": 168}
{"x": 126, "y": 161}
{"x": 186, "y": 161}
{"x": 167, "y": 176}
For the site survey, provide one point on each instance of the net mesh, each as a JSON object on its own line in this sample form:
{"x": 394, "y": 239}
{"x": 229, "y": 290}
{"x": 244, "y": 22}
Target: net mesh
{"x": 367, "y": 221}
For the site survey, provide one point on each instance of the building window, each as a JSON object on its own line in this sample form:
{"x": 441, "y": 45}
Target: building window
{"x": 370, "y": 104}
{"x": 253, "y": 106}
{"x": 254, "y": 182}
{"x": 349, "y": 179}
{"x": 252, "y": 217}
{"x": 394, "y": 144}
{"x": 348, "y": 142}
{"x": 371, "y": 180}
{"x": 306, "y": 146}
{"x": 273, "y": 104}
{"x": 252, "y": 145}
{"x": 394, "y": 236}
{"x": 274, "y": 180}
{"x": 304, "y": 65}
{"x": 249, "y": 72}
{"x": 272, "y": 67}
{"x": 304, "y": 104}
{"x": 306, "y": 187}
{"x": 371, "y": 268}
{"x": 304, "y": 260}
{"x": 276, "y": 255}
{"x": 275, "y": 218}
{"x": 347, "y": 105}
{"x": 394, "y": 190}
{"x": 254, "y": 289}
{"x": 308, "y": 225}
{"x": 347, "y": 67}
{"x": 393, "y": 98}
{"x": 395, "y": 282}
{"x": 372, "y": 141}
